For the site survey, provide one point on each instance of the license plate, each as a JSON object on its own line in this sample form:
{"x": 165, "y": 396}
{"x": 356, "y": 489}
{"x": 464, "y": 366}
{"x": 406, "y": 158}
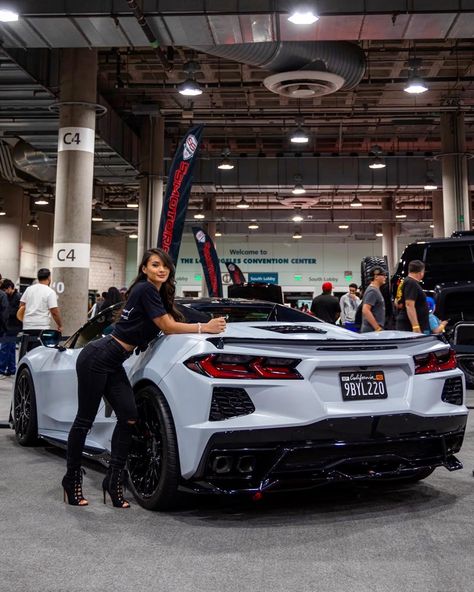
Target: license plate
{"x": 362, "y": 386}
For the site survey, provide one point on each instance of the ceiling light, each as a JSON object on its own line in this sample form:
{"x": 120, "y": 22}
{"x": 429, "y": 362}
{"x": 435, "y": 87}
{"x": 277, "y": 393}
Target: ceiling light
{"x": 298, "y": 189}
{"x": 343, "y": 226}
{"x": 225, "y": 164}
{"x": 299, "y": 136}
{"x": 377, "y": 163}
{"x": 400, "y": 216}
{"x": 253, "y": 226}
{"x": 415, "y": 86}
{"x": 132, "y": 204}
{"x": 356, "y": 203}
{"x": 8, "y": 16}
{"x": 379, "y": 234}
{"x": 243, "y": 205}
{"x": 297, "y": 216}
{"x": 190, "y": 88}
{"x": 97, "y": 214}
{"x": 199, "y": 215}
{"x": 2, "y": 211}
{"x": 133, "y": 235}
{"x": 303, "y": 16}
{"x": 218, "y": 233}
{"x": 297, "y": 234}
{"x": 431, "y": 225}
{"x": 33, "y": 223}
{"x": 42, "y": 200}
{"x": 430, "y": 185}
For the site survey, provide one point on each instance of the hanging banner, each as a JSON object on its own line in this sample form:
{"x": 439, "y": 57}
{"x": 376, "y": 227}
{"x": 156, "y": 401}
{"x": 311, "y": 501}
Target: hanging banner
{"x": 209, "y": 261}
{"x": 178, "y": 188}
{"x": 235, "y": 273}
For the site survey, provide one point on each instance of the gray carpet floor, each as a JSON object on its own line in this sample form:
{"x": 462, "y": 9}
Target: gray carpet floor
{"x": 417, "y": 538}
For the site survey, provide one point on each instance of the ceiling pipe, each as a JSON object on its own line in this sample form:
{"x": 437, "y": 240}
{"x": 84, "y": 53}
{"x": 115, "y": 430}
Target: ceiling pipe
{"x": 137, "y": 12}
{"x": 344, "y": 60}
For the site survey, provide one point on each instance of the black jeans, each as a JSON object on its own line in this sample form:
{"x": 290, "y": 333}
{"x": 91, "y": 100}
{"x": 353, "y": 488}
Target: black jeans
{"x": 100, "y": 373}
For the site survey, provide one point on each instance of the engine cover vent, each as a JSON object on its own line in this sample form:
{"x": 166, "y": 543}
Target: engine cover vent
{"x": 304, "y": 84}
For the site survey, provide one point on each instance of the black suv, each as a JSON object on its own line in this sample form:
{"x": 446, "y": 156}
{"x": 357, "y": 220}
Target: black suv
{"x": 446, "y": 260}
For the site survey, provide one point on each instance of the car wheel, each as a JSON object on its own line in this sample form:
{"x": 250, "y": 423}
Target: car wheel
{"x": 366, "y": 267}
{"x": 467, "y": 366}
{"x": 153, "y": 461}
{"x": 24, "y": 409}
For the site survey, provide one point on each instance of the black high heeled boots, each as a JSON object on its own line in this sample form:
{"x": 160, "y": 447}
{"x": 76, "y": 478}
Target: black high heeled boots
{"x": 113, "y": 485}
{"x": 72, "y": 485}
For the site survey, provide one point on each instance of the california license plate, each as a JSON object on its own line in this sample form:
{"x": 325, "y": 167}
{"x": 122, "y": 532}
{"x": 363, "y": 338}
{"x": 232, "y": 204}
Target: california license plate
{"x": 363, "y": 386}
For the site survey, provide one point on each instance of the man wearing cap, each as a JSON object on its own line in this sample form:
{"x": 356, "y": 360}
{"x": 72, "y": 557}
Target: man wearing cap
{"x": 325, "y": 306}
{"x": 37, "y": 305}
{"x": 373, "y": 304}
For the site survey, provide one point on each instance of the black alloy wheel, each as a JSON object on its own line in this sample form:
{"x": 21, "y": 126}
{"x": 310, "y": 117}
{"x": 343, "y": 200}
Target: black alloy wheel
{"x": 153, "y": 460}
{"x": 24, "y": 409}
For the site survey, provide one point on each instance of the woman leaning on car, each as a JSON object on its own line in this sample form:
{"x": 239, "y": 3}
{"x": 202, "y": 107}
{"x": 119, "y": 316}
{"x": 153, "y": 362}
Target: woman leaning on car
{"x": 148, "y": 310}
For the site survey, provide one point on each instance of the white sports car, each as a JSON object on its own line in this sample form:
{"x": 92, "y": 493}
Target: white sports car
{"x": 279, "y": 401}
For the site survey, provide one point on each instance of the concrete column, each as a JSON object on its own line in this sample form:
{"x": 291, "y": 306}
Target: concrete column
{"x": 10, "y": 231}
{"x": 151, "y": 186}
{"x": 389, "y": 239}
{"x": 456, "y": 204}
{"x": 74, "y": 183}
{"x": 438, "y": 219}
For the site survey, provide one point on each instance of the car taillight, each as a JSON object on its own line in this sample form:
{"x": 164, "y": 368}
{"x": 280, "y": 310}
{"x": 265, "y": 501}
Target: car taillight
{"x": 236, "y": 366}
{"x": 435, "y": 361}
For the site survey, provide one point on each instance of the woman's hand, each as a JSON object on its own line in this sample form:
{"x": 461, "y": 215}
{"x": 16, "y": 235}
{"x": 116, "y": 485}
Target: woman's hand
{"x": 214, "y": 325}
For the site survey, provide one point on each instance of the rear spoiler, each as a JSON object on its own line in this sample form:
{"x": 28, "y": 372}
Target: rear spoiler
{"x": 324, "y": 344}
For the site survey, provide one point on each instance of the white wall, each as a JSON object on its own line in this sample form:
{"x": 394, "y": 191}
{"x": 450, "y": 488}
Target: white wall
{"x": 108, "y": 262}
{"x": 315, "y": 260}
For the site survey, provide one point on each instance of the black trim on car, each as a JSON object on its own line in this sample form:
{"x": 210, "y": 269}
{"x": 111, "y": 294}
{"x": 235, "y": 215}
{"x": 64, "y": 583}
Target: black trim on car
{"x": 342, "y": 449}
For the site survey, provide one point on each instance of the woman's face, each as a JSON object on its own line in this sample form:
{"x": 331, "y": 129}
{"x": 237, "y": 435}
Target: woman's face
{"x": 155, "y": 270}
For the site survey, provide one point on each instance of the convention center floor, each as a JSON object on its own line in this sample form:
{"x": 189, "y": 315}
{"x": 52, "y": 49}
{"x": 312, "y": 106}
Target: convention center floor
{"x": 412, "y": 538}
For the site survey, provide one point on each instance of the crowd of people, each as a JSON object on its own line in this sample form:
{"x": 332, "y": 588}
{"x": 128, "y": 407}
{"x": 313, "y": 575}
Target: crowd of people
{"x": 366, "y": 311}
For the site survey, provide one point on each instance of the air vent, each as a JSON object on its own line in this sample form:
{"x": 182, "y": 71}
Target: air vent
{"x": 229, "y": 402}
{"x": 292, "y": 329}
{"x": 453, "y": 391}
{"x": 304, "y": 84}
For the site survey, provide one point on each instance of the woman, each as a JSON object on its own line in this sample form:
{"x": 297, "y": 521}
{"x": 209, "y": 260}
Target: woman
{"x": 149, "y": 309}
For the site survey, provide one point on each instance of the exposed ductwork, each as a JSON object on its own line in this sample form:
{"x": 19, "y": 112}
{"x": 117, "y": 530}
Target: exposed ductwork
{"x": 302, "y": 69}
{"x": 33, "y": 162}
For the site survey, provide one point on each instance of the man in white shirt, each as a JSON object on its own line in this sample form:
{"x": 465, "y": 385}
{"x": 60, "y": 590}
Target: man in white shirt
{"x": 349, "y": 304}
{"x": 37, "y": 305}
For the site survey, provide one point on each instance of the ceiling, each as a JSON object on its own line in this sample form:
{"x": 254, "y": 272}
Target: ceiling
{"x": 137, "y": 81}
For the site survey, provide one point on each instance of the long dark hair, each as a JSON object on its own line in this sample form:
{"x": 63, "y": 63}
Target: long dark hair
{"x": 168, "y": 288}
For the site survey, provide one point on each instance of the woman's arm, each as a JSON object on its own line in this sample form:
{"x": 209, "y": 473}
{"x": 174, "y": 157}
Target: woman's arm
{"x": 169, "y": 326}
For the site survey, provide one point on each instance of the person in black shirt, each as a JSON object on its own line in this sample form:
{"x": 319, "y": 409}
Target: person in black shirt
{"x": 413, "y": 314}
{"x": 148, "y": 310}
{"x": 325, "y": 306}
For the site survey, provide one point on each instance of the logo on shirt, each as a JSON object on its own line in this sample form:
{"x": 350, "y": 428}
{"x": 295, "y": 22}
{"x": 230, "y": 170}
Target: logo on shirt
{"x": 190, "y": 146}
{"x": 126, "y": 313}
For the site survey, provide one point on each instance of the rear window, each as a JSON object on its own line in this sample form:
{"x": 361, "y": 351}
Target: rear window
{"x": 448, "y": 254}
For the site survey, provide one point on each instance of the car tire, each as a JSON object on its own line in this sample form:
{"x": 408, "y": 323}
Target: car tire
{"x": 366, "y": 267}
{"x": 153, "y": 461}
{"x": 24, "y": 409}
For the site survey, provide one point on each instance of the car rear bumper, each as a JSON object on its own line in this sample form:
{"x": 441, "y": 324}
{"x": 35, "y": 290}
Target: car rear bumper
{"x": 345, "y": 449}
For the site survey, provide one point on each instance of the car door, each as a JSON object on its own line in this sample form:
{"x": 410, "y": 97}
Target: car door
{"x": 57, "y": 383}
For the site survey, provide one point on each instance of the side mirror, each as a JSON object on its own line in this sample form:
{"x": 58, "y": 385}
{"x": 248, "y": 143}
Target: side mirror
{"x": 50, "y": 337}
